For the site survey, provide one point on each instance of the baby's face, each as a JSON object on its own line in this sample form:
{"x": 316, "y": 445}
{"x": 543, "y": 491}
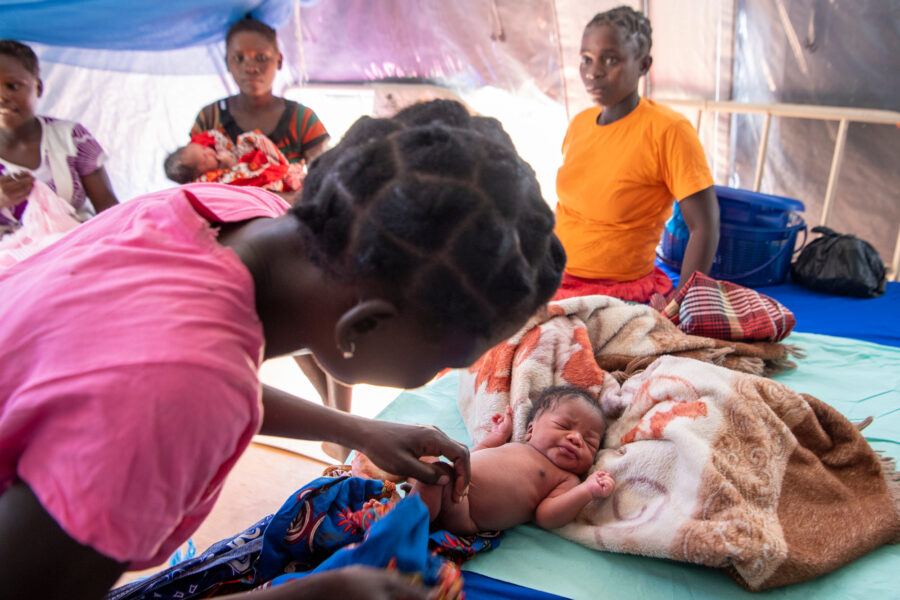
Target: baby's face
{"x": 568, "y": 434}
{"x": 204, "y": 159}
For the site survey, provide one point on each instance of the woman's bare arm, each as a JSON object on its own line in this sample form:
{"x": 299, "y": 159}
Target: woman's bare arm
{"x": 701, "y": 215}
{"x": 310, "y": 153}
{"x": 393, "y": 447}
{"x": 99, "y": 190}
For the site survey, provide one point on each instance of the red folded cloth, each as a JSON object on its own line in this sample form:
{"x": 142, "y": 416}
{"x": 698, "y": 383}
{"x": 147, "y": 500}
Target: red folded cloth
{"x": 639, "y": 290}
{"x": 728, "y": 311}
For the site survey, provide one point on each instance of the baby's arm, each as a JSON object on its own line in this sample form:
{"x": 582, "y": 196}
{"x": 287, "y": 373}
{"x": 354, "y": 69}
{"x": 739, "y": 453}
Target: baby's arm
{"x": 501, "y": 431}
{"x": 563, "y": 504}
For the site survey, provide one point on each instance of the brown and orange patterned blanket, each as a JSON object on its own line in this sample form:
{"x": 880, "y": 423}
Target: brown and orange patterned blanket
{"x": 713, "y": 465}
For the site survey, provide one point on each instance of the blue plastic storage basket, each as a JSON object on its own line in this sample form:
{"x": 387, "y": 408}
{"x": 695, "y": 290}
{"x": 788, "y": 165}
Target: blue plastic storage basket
{"x": 743, "y": 207}
{"x": 757, "y": 236}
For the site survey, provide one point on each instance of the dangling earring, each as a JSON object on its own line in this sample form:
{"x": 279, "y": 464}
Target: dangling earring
{"x": 349, "y": 353}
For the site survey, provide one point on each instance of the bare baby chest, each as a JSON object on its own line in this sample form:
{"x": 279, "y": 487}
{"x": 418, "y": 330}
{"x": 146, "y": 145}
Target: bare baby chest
{"x": 508, "y": 483}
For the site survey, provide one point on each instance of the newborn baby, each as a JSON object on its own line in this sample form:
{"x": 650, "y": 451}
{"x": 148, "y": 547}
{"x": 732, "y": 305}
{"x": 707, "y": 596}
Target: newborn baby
{"x": 536, "y": 480}
{"x": 254, "y": 160}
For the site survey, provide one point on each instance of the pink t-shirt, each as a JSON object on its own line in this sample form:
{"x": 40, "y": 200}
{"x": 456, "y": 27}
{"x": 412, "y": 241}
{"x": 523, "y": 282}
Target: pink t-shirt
{"x": 128, "y": 369}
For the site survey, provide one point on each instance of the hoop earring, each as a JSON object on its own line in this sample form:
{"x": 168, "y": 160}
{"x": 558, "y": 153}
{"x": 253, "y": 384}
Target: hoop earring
{"x": 349, "y": 353}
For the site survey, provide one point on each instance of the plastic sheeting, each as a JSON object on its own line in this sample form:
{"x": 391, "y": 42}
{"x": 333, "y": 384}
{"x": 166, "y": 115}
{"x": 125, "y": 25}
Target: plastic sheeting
{"x": 516, "y": 60}
{"x": 132, "y": 25}
{"x": 460, "y": 44}
{"x": 831, "y": 53}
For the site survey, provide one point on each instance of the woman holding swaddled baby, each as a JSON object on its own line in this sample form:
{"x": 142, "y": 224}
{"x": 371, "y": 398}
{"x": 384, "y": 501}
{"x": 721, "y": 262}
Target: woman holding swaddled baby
{"x": 51, "y": 170}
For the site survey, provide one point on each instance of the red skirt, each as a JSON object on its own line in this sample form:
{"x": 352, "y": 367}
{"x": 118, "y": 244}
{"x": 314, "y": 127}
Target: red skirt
{"x": 639, "y": 290}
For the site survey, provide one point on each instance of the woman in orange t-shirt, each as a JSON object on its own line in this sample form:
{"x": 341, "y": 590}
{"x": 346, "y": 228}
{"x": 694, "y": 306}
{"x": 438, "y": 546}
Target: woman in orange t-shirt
{"x": 624, "y": 161}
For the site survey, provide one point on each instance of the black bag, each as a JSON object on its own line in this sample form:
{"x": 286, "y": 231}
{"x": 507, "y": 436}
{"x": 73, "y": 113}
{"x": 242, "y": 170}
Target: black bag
{"x": 840, "y": 264}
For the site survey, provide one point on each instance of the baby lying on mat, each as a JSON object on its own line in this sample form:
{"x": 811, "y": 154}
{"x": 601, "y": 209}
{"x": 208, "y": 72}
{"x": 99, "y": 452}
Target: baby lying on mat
{"x": 535, "y": 480}
{"x": 253, "y": 160}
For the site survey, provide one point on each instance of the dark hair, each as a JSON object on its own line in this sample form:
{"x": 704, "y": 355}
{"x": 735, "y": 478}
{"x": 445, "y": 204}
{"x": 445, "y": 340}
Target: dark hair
{"x": 176, "y": 170}
{"x": 22, "y": 53}
{"x": 441, "y": 217}
{"x": 634, "y": 23}
{"x": 454, "y": 114}
{"x": 248, "y": 23}
{"x": 550, "y": 398}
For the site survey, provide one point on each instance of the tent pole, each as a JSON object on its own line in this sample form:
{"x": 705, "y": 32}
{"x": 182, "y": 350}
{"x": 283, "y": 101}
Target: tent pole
{"x": 562, "y": 61}
{"x": 761, "y": 152}
{"x": 645, "y": 8}
{"x": 836, "y": 161}
{"x": 895, "y": 264}
{"x": 298, "y": 34}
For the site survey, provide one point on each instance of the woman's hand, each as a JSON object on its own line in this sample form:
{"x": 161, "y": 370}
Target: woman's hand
{"x": 15, "y": 188}
{"x": 393, "y": 447}
{"x": 396, "y": 448}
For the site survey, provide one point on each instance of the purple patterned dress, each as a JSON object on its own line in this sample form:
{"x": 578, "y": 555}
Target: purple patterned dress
{"x": 68, "y": 153}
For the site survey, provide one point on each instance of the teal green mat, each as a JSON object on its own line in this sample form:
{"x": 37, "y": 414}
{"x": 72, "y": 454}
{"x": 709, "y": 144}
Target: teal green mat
{"x": 858, "y": 378}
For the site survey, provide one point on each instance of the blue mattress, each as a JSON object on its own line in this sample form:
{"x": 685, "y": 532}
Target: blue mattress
{"x": 871, "y": 319}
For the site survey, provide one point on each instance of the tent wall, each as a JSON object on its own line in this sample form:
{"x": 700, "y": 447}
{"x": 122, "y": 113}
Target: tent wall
{"x": 517, "y": 60}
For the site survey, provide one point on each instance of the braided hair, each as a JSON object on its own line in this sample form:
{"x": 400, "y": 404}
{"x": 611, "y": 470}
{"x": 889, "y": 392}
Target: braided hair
{"x": 436, "y": 210}
{"x": 634, "y": 23}
{"x": 250, "y": 24}
{"x": 22, "y": 53}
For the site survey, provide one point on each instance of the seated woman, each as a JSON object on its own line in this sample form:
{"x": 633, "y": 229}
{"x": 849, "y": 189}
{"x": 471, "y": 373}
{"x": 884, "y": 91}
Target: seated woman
{"x": 624, "y": 161}
{"x": 254, "y": 160}
{"x": 252, "y": 58}
{"x": 62, "y": 154}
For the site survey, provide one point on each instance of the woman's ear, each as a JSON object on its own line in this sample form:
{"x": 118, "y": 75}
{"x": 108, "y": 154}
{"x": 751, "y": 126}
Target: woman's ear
{"x": 356, "y": 323}
{"x": 280, "y": 60}
{"x": 645, "y": 64}
{"x": 40, "y": 88}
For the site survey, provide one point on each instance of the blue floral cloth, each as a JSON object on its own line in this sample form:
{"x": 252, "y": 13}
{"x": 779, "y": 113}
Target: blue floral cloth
{"x": 327, "y": 524}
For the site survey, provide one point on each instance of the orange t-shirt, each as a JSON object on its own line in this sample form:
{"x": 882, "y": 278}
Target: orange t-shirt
{"x": 616, "y": 187}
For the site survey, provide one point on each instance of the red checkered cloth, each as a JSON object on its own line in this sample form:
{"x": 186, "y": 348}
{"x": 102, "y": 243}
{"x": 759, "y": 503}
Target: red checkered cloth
{"x": 727, "y": 311}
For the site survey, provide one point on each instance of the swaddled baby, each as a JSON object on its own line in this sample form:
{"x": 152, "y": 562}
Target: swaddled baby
{"x": 253, "y": 160}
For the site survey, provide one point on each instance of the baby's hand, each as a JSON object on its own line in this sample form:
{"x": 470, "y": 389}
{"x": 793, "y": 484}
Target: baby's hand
{"x": 502, "y": 424}
{"x": 600, "y": 484}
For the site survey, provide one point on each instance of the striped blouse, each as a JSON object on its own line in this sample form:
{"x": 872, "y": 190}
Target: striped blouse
{"x": 298, "y": 129}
